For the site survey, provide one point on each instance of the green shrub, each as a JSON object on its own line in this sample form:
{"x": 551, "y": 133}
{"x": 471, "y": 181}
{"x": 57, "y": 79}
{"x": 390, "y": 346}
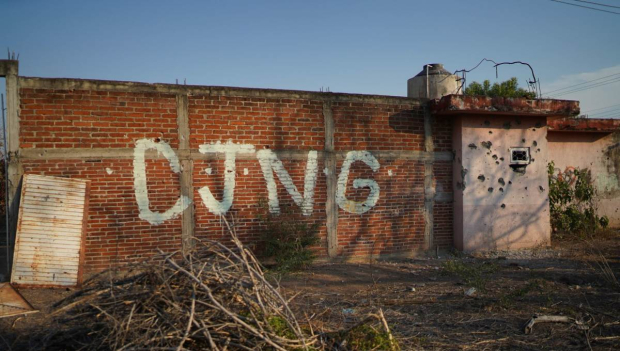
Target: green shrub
{"x": 572, "y": 205}
{"x": 365, "y": 337}
{"x": 473, "y": 274}
{"x": 287, "y": 238}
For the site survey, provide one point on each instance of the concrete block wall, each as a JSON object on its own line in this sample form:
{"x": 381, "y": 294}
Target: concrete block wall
{"x": 166, "y": 161}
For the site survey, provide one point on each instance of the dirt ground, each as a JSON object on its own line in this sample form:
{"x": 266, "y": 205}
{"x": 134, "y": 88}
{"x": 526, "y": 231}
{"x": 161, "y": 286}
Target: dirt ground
{"x": 427, "y": 305}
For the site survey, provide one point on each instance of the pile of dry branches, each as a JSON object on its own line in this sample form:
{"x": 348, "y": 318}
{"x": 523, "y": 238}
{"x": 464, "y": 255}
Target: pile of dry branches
{"x": 214, "y": 297}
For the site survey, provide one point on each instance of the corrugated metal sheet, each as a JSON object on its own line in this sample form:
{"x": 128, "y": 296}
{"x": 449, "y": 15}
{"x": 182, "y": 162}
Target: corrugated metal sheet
{"x": 50, "y": 231}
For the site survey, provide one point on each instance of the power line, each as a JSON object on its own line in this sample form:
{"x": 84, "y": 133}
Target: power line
{"x": 588, "y": 86}
{"x": 615, "y": 80}
{"x": 603, "y": 108}
{"x": 585, "y": 88}
{"x": 589, "y": 81}
{"x": 598, "y": 4}
{"x": 586, "y": 7}
{"x": 603, "y": 113}
{"x": 610, "y": 116}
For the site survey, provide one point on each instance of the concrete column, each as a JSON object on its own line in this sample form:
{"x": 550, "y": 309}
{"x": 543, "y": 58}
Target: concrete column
{"x": 188, "y": 216}
{"x": 331, "y": 208}
{"x": 429, "y": 186}
{"x": 10, "y": 70}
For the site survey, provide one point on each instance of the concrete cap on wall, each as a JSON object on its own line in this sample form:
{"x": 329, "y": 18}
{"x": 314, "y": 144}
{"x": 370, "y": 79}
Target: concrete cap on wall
{"x": 8, "y": 67}
{"x": 461, "y": 104}
{"x": 591, "y": 125}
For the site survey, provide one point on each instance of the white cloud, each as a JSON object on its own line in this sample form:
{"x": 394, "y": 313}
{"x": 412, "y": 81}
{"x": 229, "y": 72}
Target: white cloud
{"x": 590, "y": 99}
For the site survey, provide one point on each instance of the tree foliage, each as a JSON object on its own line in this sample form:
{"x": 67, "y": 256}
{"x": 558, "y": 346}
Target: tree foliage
{"x": 509, "y": 88}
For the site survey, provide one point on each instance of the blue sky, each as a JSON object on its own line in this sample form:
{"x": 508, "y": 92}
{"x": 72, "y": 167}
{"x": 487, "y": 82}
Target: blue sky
{"x": 369, "y": 47}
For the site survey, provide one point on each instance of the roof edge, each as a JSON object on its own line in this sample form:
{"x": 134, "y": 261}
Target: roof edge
{"x": 461, "y": 104}
{"x": 590, "y": 125}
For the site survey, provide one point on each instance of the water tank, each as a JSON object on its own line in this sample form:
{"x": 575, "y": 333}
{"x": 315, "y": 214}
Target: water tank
{"x": 440, "y": 83}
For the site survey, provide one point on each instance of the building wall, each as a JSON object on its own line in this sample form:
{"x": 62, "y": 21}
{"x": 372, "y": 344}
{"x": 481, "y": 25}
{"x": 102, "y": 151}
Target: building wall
{"x": 496, "y": 207}
{"x": 600, "y": 153}
{"x": 168, "y": 160}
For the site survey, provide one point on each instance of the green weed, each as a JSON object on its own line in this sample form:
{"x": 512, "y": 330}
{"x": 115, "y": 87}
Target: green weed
{"x": 287, "y": 238}
{"x": 471, "y": 273}
{"x": 572, "y": 205}
{"x": 366, "y": 337}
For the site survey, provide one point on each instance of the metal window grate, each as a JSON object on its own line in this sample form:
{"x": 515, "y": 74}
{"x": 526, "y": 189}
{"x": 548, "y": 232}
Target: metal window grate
{"x": 520, "y": 156}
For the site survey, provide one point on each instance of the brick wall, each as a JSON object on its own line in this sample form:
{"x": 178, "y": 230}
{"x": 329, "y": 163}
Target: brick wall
{"x": 101, "y": 122}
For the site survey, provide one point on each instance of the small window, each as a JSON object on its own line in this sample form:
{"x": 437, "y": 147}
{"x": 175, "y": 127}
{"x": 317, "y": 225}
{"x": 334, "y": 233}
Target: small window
{"x": 520, "y": 156}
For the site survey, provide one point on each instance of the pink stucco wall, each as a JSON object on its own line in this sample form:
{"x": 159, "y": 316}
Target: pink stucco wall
{"x": 490, "y": 215}
{"x": 600, "y": 153}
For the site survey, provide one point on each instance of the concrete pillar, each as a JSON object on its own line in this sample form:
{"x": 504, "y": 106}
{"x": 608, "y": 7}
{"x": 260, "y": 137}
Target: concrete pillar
{"x": 331, "y": 208}
{"x": 429, "y": 186}
{"x": 10, "y": 70}
{"x": 186, "y": 176}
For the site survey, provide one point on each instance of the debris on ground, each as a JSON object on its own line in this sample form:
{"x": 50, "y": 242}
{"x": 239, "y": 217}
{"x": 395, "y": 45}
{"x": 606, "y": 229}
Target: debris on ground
{"x": 529, "y": 326}
{"x": 471, "y": 292}
{"x": 214, "y": 297}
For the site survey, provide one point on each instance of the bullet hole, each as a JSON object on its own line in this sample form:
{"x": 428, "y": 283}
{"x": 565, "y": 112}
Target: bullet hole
{"x": 501, "y": 158}
{"x": 538, "y": 150}
{"x": 490, "y": 190}
{"x": 481, "y": 177}
{"x": 533, "y": 159}
{"x": 266, "y": 146}
{"x": 490, "y": 132}
{"x": 472, "y": 146}
{"x": 507, "y": 125}
{"x": 488, "y": 153}
{"x": 525, "y": 188}
{"x": 157, "y": 140}
{"x": 486, "y": 144}
{"x": 487, "y": 123}
{"x": 510, "y": 182}
{"x": 535, "y": 143}
{"x": 496, "y": 162}
{"x": 541, "y": 188}
{"x": 501, "y": 189}
{"x": 501, "y": 181}
{"x": 503, "y": 206}
{"x": 495, "y": 157}
{"x": 533, "y": 130}
{"x": 522, "y": 140}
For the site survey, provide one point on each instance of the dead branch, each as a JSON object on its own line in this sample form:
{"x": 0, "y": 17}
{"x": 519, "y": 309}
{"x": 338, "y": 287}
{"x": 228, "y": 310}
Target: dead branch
{"x": 551, "y": 319}
{"x": 213, "y": 297}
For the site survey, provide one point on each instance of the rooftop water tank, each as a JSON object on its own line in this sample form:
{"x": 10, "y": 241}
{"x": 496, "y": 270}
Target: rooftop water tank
{"x": 440, "y": 83}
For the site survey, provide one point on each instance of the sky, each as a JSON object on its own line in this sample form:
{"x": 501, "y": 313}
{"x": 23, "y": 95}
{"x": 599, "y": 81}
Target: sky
{"x": 368, "y": 47}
